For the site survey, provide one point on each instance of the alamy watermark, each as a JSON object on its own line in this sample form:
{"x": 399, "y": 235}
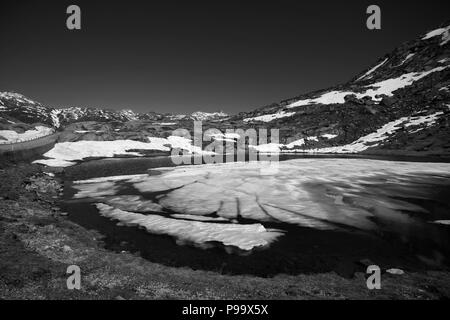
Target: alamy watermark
{"x": 74, "y": 280}
{"x": 213, "y": 146}
{"x": 373, "y": 22}
{"x": 73, "y": 21}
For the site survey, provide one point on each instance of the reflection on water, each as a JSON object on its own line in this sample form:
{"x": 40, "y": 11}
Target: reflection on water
{"x": 309, "y": 215}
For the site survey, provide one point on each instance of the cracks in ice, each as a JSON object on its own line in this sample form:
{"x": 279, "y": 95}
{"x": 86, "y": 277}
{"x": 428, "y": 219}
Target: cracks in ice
{"x": 233, "y": 204}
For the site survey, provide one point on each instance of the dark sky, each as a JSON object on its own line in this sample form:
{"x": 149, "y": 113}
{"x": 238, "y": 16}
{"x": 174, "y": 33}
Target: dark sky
{"x": 183, "y": 56}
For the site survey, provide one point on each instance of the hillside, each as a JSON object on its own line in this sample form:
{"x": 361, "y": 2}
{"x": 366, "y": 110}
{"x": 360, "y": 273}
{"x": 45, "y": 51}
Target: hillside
{"x": 402, "y": 102}
{"x": 399, "y": 105}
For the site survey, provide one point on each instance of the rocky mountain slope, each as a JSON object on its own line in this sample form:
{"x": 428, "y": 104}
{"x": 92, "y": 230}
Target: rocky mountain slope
{"x": 401, "y": 104}
{"x": 404, "y": 98}
{"x": 206, "y": 116}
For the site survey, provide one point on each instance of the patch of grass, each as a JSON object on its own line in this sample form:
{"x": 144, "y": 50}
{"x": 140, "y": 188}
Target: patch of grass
{"x": 12, "y": 180}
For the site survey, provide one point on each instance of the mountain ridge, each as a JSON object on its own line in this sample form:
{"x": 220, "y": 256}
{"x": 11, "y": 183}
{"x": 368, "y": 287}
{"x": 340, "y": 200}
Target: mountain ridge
{"x": 411, "y": 82}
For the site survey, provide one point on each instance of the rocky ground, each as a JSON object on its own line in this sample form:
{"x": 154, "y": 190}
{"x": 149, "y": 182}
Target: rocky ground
{"x": 38, "y": 243}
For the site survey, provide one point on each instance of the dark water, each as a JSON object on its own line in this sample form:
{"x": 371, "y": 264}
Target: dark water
{"x": 412, "y": 246}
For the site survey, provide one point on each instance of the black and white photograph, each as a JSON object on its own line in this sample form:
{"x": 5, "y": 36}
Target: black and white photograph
{"x": 232, "y": 152}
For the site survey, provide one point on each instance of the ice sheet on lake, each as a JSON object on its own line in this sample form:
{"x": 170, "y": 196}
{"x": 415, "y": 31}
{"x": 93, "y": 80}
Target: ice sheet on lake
{"x": 94, "y": 190}
{"x": 245, "y": 237}
{"x": 325, "y": 194}
{"x": 132, "y": 177}
{"x": 133, "y": 203}
{"x": 198, "y": 218}
{"x": 55, "y": 162}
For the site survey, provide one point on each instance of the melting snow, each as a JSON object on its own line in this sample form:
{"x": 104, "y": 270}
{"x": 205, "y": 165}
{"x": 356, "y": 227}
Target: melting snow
{"x": 445, "y": 222}
{"x": 245, "y": 237}
{"x": 332, "y": 97}
{"x": 363, "y": 143}
{"x": 373, "y": 139}
{"x": 267, "y": 148}
{"x": 409, "y": 56}
{"x": 72, "y": 151}
{"x": 329, "y": 136}
{"x": 297, "y": 143}
{"x": 386, "y": 87}
{"x": 55, "y": 119}
{"x": 64, "y": 154}
{"x": 228, "y": 136}
{"x": 132, "y": 177}
{"x": 444, "y": 32}
{"x": 198, "y": 218}
{"x": 16, "y": 96}
{"x": 270, "y": 117}
{"x": 372, "y": 70}
{"x": 301, "y": 142}
{"x": 325, "y": 194}
{"x": 55, "y": 162}
{"x": 395, "y": 271}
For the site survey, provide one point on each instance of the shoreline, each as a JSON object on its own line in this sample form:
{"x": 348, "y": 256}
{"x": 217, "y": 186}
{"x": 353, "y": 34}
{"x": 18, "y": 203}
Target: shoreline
{"x": 395, "y": 156}
{"x": 38, "y": 243}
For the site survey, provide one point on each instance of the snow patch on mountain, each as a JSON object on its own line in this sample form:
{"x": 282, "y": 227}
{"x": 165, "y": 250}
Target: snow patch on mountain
{"x": 385, "y": 87}
{"x": 166, "y": 123}
{"x": 66, "y": 153}
{"x": 270, "y": 117}
{"x": 227, "y": 137}
{"x": 176, "y": 142}
{"x": 17, "y": 97}
{"x": 176, "y": 117}
{"x": 301, "y": 142}
{"x": 444, "y": 222}
{"x": 443, "y": 32}
{"x": 375, "y": 138}
{"x": 409, "y": 56}
{"x": 55, "y": 119}
{"x": 372, "y": 70}
{"x": 204, "y": 116}
{"x": 329, "y": 136}
{"x": 414, "y": 123}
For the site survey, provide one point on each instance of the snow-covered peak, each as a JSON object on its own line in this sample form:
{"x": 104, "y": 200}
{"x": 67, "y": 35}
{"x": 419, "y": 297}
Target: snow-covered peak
{"x": 129, "y": 114}
{"x": 202, "y": 116}
{"x": 17, "y": 97}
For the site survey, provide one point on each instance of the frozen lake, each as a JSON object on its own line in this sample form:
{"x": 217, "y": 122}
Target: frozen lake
{"x": 298, "y": 215}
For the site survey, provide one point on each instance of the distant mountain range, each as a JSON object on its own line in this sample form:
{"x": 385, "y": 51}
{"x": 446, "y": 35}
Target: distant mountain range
{"x": 17, "y": 106}
{"x": 399, "y": 104}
